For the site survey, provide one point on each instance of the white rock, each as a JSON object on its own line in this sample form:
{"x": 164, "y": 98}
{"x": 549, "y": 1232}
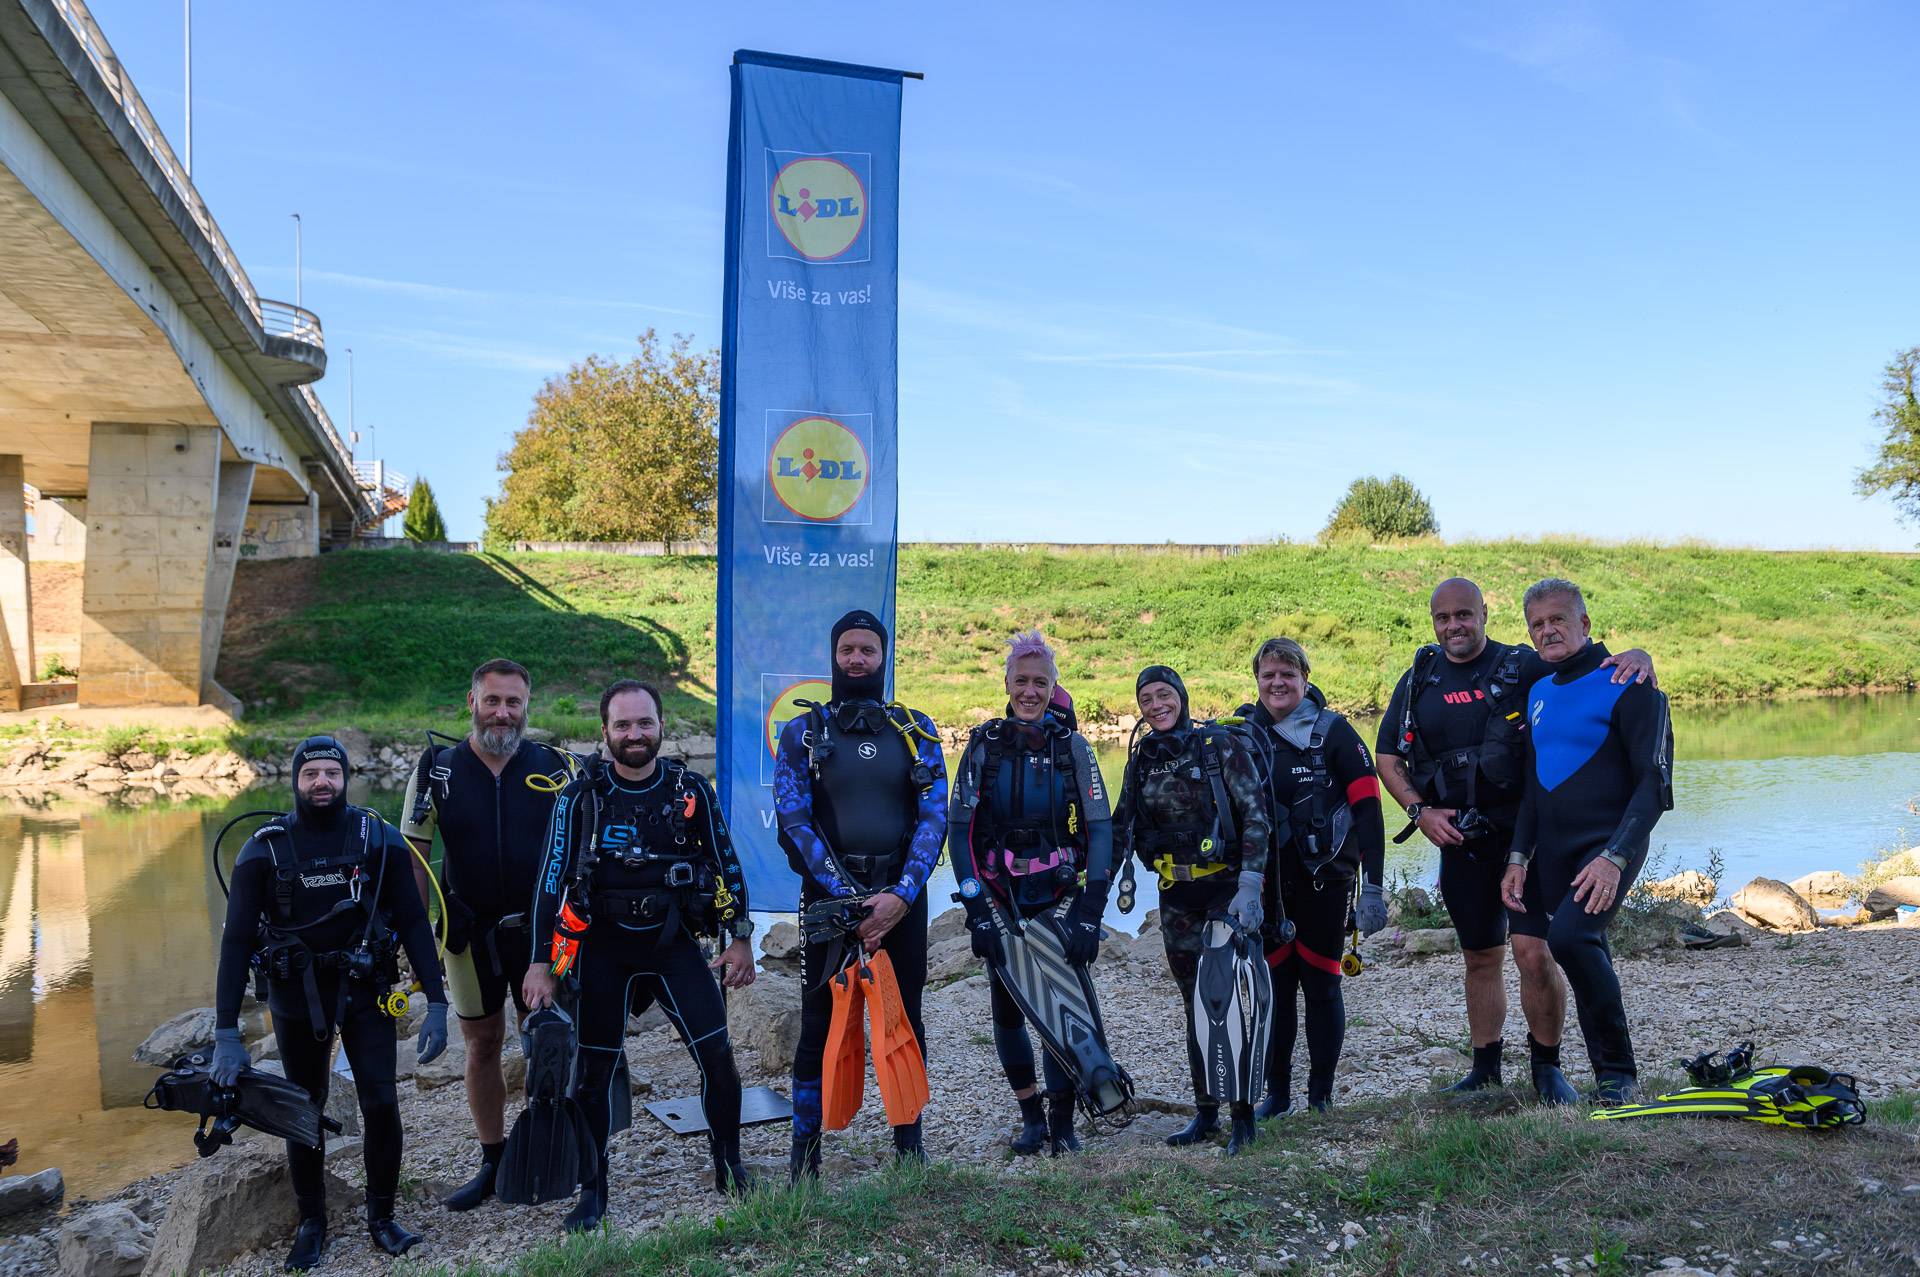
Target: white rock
{"x": 21, "y": 1193}
{"x": 764, "y": 1017}
{"x": 106, "y": 1241}
{"x": 1768, "y": 902}
{"x": 188, "y": 1031}
{"x": 229, "y": 1204}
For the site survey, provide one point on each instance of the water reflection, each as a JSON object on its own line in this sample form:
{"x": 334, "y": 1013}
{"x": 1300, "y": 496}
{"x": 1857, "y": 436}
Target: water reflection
{"x": 108, "y": 927}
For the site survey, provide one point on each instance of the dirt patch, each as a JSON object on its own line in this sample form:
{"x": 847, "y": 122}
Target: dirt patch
{"x": 56, "y": 613}
{"x": 265, "y": 594}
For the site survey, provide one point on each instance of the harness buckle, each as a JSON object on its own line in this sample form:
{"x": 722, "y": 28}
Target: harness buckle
{"x": 680, "y": 874}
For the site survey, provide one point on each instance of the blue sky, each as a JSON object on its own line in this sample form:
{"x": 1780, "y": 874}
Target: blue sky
{"x": 1615, "y": 269}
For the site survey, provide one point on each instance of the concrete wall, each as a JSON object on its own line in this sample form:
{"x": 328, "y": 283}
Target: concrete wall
{"x": 59, "y": 530}
{"x": 150, "y": 518}
{"x": 281, "y": 531}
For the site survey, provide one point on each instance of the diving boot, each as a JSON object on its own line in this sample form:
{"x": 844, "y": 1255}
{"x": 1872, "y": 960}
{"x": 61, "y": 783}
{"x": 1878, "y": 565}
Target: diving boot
{"x": 388, "y": 1235}
{"x": 1033, "y": 1127}
{"x": 907, "y": 1146}
{"x": 1243, "y": 1132}
{"x": 1205, "y": 1118}
{"x": 1615, "y": 1089}
{"x": 1278, "y": 1101}
{"x": 480, "y": 1187}
{"x": 803, "y": 1160}
{"x": 1485, "y": 1072}
{"x": 309, "y": 1240}
{"x": 1549, "y": 1083}
{"x": 1060, "y": 1123}
{"x": 730, "y": 1175}
{"x": 592, "y": 1206}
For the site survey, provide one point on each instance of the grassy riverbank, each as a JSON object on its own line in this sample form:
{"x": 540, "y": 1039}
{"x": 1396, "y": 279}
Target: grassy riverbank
{"x": 1375, "y": 1188}
{"x": 386, "y": 640}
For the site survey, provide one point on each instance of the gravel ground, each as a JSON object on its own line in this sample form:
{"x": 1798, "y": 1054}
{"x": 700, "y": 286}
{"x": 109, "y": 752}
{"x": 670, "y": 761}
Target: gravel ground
{"x": 1845, "y": 998}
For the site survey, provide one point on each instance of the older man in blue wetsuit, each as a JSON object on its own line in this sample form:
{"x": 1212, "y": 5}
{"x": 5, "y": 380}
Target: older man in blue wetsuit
{"x": 1600, "y": 774}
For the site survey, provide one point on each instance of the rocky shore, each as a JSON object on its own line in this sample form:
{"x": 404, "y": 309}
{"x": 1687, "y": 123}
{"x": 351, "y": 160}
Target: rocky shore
{"x": 1845, "y": 997}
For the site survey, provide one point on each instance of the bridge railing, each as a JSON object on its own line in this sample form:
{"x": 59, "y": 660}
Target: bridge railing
{"x": 284, "y": 319}
{"x": 120, "y": 85}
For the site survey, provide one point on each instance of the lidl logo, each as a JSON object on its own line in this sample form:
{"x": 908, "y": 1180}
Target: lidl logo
{"x": 817, "y": 205}
{"x": 817, "y": 467}
{"x": 778, "y": 692}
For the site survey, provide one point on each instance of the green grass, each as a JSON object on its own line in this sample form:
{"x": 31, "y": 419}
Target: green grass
{"x": 390, "y": 638}
{"x": 1426, "y": 1181}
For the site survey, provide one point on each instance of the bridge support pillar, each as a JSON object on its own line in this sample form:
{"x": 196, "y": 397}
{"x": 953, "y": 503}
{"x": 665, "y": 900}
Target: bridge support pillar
{"x": 16, "y": 599}
{"x": 229, "y": 518}
{"x": 152, "y": 497}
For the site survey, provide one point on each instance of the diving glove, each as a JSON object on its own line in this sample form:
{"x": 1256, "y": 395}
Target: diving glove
{"x": 229, "y": 1057}
{"x": 986, "y": 941}
{"x": 1083, "y": 925}
{"x": 1370, "y": 911}
{"x": 1245, "y": 908}
{"x": 433, "y": 1034}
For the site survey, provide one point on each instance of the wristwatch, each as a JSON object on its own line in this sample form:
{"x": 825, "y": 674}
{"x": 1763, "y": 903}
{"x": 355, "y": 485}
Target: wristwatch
{"x": 742, "y": 928}
{"x": 1414, "y": 810}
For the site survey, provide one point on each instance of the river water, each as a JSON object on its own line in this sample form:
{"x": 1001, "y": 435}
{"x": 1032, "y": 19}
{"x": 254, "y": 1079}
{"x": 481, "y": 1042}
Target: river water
{"x": 109, "y": 914}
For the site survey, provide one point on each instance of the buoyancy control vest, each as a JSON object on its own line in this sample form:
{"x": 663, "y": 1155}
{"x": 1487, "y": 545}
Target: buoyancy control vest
{"x": 1020, "y": 837}
{"x": 1318, "y": 825}
{"x": 867, "y": 777}
{"x": 1453, "y": 776}
{"x": 638, "y": 859}
{"x": 1203, "y": 838}
{"x": 335, "y": 893}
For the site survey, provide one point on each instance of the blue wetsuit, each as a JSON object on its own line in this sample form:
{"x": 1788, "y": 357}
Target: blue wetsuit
{"x": 1599, "y": 775}
{"x": 860, "y": 791}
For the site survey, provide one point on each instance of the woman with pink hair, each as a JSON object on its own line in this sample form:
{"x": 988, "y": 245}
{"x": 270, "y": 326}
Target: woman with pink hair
{"x": 1029, "y": 817}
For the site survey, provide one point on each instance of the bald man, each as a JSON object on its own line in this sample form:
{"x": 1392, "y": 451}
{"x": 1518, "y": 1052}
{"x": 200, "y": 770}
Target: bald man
{"x": 1452, "y": 752}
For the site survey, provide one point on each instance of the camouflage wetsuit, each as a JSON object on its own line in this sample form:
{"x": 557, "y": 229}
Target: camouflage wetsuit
{"x": 1167, "y": 810}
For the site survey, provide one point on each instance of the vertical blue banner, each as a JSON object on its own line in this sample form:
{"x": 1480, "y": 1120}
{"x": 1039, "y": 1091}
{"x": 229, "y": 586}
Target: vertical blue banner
{"x": 808, "y": 491}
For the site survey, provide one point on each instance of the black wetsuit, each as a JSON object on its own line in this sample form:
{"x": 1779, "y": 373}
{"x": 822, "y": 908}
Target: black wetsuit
{"x": 872, "y": 820}
{"x": 494, "y": 829}
{"x": 1315, "y": 881}
{"x": 1451, "y": 709}
{"x": 1166, "y": 809}
{"x": 1601, "y": 773}
{"x": 1025, "y": 832}
{"x": 292, "y": 874}
{"x": 663, "y": 871}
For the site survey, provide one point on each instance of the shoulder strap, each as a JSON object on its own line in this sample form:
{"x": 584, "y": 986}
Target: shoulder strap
{"x": 1416, "y": 681}
{"x": 1215, "y": 768}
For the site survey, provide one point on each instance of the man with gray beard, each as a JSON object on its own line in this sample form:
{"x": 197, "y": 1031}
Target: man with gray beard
{"x": 491, "y": 797}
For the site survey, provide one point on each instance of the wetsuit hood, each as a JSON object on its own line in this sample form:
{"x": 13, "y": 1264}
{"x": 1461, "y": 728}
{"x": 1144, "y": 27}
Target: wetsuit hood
{"x": 870, "y": 687}
{"x": 1165, "y": 674}
{"x": 327, "y": 748}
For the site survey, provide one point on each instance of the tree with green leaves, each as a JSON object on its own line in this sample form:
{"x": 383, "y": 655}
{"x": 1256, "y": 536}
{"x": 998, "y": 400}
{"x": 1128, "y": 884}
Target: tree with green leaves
{"x": 423, "y": 521}
{"x": 1376, "y": 509}
{"x": 617, "y": 451}
{"x": 1896, "y": 468}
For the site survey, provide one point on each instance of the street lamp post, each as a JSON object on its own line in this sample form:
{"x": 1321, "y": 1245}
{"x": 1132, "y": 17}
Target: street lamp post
{"x": 296, "y": 259}
{"x": 189, "y": 46}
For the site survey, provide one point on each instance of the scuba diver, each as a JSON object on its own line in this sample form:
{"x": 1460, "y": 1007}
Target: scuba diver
{"x": 1319, "y": 773}
{"x": 491, "y": 796}
{"x": 860, "y": 790}
{"x": 1029, "y": 816}
{"x": 317, "y": 900}
{"x": 1601, "y": 773}
{"x": 1452, "y": 751}
{"x": 1193, "y": 810}
{"x": 638, "y": 864}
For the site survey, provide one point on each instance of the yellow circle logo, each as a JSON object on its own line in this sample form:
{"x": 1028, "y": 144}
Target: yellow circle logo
{"x": 783, "y": 710}
{"x": 819, "y": 206}
{"x": 818, "y": 469}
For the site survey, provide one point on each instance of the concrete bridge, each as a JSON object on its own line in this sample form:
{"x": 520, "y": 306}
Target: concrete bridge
{"x": 146, "y": 389}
